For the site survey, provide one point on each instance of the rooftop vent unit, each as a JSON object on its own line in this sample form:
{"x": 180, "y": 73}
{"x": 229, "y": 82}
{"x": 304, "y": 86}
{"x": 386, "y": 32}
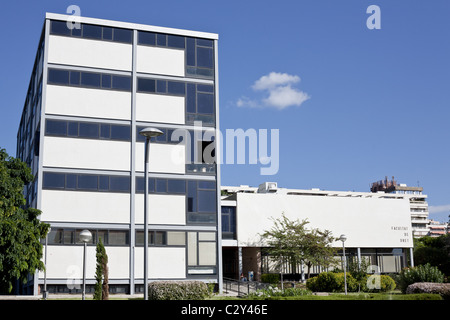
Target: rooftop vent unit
{"x": 268, "y": 187}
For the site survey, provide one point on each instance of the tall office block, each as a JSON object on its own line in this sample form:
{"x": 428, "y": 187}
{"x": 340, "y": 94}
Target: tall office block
{"x": 94, "y": 86}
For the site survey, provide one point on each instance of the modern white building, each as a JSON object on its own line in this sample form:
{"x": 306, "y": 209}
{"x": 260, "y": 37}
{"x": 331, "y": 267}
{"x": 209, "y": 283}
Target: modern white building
{"x": 95, "y": 84}
{"x": 377, "y": 225}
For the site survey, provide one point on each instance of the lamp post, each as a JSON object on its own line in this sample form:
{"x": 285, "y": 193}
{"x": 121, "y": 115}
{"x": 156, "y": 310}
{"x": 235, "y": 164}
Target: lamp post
{"x": 343, "y": 238}
{"x": 45, "y": 293}
{"x": 148, "y": 133}
{"x": 85, "y": 236}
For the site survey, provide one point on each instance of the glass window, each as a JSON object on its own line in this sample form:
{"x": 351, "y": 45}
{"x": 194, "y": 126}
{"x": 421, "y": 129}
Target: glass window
{"x": 148, "y": 38}
{"x": 74, "y": 78}
{"x": 191, "y": 98}
{"x": 161, "y": 39}
{"x": 161, "y": 185}
{"x": 205, "y": 57}
{"x": 205, "y": 88}
{"x": 88, "y": 130}
{"x": 205, "y": 42}
{"x": 176, "y": 238}
{"x": 55, "y": 236}
{"x": 120, "y": 184}
{"x": 192, "y": 196}
{"x": 103, "y": 236}
{"x": 71, "y": 181}
{"x": 72, "y": 129}
{"x": 57, "y": 76}
{"x": 54, "y": 180}
{"x": 206, "y": 201}
{"x": 55, "y": 127}
{"x": 105, "y": 131}
{"x": 76, "y": 32}
{"x": 205, "y": 103}
{"x": 121, "y": 83}
{"x": 106, "y": 81}
{"x": 103, "y": 183}
{"x": 92, "y": 32}
{"x": 69, "y": 236}
{"x": 119, "y": 132}
{"x": 206, "y": 236}
{"x": 159, "y": 238}
{"x": 59, "y": 28}
{"x": 161, "y": 86}
{"x": 87, "y": 182}
{"x": 146, "y": 85}
{"x": 190, "y": 51}
{"x": 175, "y": 41}
{"x": 90, "y": 79}
{"x": 176, "y": 186}
{"x": 107, "y": 33}
{"x": 207, "y": 185}
{"x": 123, "y": 35}
{"x": 117, "y": 237}
{"x": 175, "y": 87}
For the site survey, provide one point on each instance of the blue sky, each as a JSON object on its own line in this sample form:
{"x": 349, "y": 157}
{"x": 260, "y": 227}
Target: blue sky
{"x": 352, "y": 105}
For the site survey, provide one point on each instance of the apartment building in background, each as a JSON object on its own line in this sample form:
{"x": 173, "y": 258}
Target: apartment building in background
{"x": 418, "y": 203}
{"x": 93, "y": 87}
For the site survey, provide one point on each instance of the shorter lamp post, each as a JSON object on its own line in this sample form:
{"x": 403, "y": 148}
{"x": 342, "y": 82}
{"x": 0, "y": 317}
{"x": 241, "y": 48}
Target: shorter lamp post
{"x": 343, "y": 238}
{"x": 45, "y": 293}
{"x": 85, "y": 236}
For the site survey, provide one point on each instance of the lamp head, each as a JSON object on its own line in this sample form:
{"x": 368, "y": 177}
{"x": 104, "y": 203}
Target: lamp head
{"x": 85, "y": 236}
{"x": 343, "y": 237}
{"x": 150, "y": 132}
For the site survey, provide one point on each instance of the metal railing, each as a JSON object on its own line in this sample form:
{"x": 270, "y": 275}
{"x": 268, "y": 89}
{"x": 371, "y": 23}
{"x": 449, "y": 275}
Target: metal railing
{"x": 242, "y": 288}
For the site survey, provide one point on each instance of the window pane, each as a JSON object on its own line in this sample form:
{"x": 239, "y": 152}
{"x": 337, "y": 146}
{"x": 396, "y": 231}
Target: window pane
{"x": 204, "y": 57}
{"x": 139, "y": 185}
{"x": 105, "y": 131}
{"x": 176, "y": 238}
{"x": 146, "y": 85}
{"x": 191, "y": 98}
{"x": 103, "y": 236}
{"x": 205, "y": 42}
{"x": 161, "y": 39}
{"x": 190, "y": 51}
{"x": 59, "y": 28}
{"x": 107, "y": 33}
{"x": 58, "y": 76}
{"x": 118, "y": 237}
{"x": 161, "y": 185}
{"x": 55, "y": 127}
{"x": 175, "y": 87}
{"x": 121, "y": 83}
{"x": 75, "y": 78}
{"x": 88, "y": 130}
{"x": 55, "y": 236}
{"x": 72, "y": 129}
{"x": 175, "y": 41}
{"x": 71, "y": 181}
{"x": 207, "y": 185}
{"x": 192, "y": 196}
{"x": 90, "y": 79}
{"x": 205, "y": 103}
{"x": 206, "y": 201}
{"x": 106, "y": 81}
{"x": 205, "y": 88}
{"x": 160, "y": 238}
{"x": 54, "y": 180}
{"x": 87, "y": 182}
{"x": 176, "y": 186}
{"x": 69, "y": 236}
{"x": 92, "y": 32}
{"x": 206, "y": 236}
{"x": 123, "y": 35}
{"x": 161, "y": 86}
{"x": 148, "y": 38}
{"x": 103, "y": 183}
{"x": 120, "y": 184}
{"x": 119, "y": 132}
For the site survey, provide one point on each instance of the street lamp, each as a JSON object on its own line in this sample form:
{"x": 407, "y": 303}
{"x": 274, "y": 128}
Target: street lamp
{"x": 85, "y": 236}
{"x": 343, "y": 238}
{"x": 45, "y": 293}
{"x": 148, "y": 133}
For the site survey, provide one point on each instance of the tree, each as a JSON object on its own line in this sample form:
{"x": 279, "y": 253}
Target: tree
{"x": 290, "y": 241}
{"x": 20, "y": 227}
{"x": 101, "y": 273}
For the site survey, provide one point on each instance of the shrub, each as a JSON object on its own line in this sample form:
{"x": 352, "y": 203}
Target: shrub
{"x": 386, "y": 284}
{"x": 331, "y": 282}
{"x": 276, "y": 292}
{"x": 178, "y": 290}
{"x": 430, "y": 287}
{"x": 272, "y": 278}
{"x": 422, "y": 273}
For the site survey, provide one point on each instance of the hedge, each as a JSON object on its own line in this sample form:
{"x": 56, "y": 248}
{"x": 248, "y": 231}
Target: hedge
{"x": 177, "y": 290}
{"x": 430, "y": 287}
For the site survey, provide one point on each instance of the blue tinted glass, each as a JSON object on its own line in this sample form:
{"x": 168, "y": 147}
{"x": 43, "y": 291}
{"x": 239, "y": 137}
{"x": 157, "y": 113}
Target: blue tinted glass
{"x": 119, "y": 132}
{"x": 151, "y": 184}
{"x": 92, "y": 32}
{"x": 190, "y": 98}
{"x": 72, "y": 129}
{"x": 190, "y": 51}
{"x": 161, "y": 86}
{"x": 175, "y": 41}
{"x": 139, "y": 137}
{"x": 88, "y": 130}
{"x": 105, "y": 131}
{"x": 121, "y": 83}
{"x": 146, "y": 85}
{"x": 103, "y": 183}
{"x": 207, "y": 185}
{"x": 206, "y": 201}
{"x": 75, "y": 78}
{"x": 123, "y": 35}
{"x": 161, "y": 185}
{"x": 161, "y": 39}
{"x": 71, "y": 181}
{"x": 192, "y": 196}
{"x": 87, "y": 182}
{"x": 107, "y": 33}
{"x": 176, "y": 186}
{"x": 90, "y": 79}
{"x": 106, "y": 81}
{"x": 54, "y": 180}
{"x": 139, "y": 185}
{"x": 175, "y": 87}
{"x": 55, "y": 127}
{"x": 205, "y": 88}
{"x": 148, "y": 38}
{"x": 205, "y": 57}
{"x": 58, "y": 76}
{"x": 205, "y": 42}
{"x": 163, "y": 137}
{"x": 120, "y": 184}
{"x": 59, "y": 28}
{"x": 205, "y": 103}
{"x": 76, "y": 32}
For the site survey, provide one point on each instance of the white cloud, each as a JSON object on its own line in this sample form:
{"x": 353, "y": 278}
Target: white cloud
{"x": 278, "y": 90}
{"x": 438, "y": 209}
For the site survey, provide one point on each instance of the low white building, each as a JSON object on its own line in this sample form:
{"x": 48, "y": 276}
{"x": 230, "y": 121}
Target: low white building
{"x": 377, "y": 225}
